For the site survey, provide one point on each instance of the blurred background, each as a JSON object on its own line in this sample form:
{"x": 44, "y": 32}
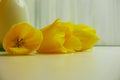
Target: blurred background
{"x": 103, "y": 15}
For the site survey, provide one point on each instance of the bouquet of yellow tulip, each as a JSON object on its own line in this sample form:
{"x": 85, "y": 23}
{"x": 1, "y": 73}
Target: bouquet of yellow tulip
{"x": 58, "y": 37}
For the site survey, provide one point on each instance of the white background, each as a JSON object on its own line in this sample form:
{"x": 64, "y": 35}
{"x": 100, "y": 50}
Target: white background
{"x": 103, "y": 15}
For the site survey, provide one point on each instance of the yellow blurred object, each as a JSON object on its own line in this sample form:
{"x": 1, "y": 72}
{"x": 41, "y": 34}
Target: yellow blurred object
{"x": 87, "y": 36}
{"x": 22, "y": 38}
{"x": 53, "y": 39}
{"x": 58, "y": 37}
{"x": 65, "y": 37}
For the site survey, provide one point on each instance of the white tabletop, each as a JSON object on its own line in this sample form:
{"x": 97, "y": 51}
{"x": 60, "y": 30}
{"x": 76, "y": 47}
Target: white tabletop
{"x": 103, "y": 63}
{"x": 108, "y": 60}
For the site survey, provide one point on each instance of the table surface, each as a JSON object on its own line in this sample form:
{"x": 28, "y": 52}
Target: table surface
{"x": 103, "y": 63}
{"x": 108, "y": 60}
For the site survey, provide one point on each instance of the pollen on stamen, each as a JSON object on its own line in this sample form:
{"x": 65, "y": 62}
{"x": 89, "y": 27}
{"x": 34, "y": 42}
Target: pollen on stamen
{"x": 19, "y": 42}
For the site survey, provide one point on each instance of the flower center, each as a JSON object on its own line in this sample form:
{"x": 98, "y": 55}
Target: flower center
{"x": 19, "y": 43}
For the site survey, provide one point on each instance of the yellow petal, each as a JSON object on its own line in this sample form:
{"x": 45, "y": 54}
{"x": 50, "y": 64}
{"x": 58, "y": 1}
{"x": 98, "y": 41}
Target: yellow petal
{"x": 72, "y": 44}
{"x": 87, "y": 36}
{"x": 19, "y": 51}
{"x": 85, "y": 28}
